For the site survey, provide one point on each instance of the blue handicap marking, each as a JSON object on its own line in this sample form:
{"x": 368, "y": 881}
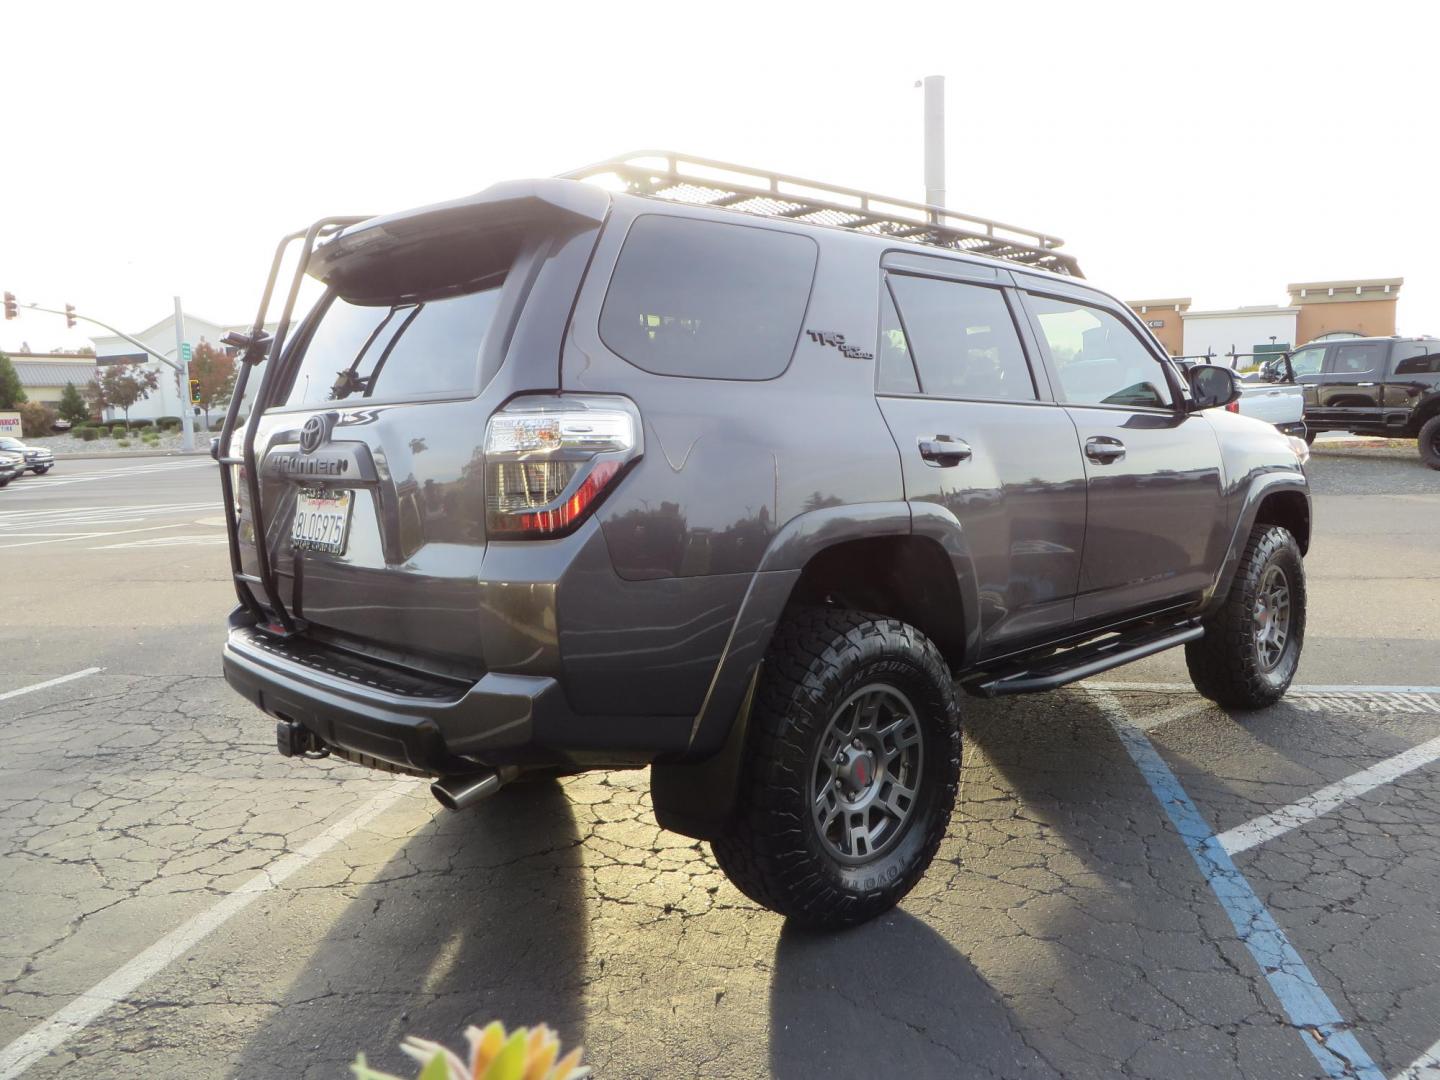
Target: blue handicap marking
{"x": 1310, "y": 1010}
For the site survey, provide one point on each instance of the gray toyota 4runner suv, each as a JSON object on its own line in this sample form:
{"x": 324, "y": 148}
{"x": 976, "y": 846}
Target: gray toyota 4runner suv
{"x": 739, "y": 477}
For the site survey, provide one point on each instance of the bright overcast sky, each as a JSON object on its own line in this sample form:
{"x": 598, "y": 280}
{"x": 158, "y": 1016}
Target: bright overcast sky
{"x": 1181, "y": 150}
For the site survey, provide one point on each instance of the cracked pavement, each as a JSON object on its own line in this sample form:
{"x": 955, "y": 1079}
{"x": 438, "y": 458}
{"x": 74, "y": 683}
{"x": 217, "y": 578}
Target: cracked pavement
{"x": 1063, "y": 931}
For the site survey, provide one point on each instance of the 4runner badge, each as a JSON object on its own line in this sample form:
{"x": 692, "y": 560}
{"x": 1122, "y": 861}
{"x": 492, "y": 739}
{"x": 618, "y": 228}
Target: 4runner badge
{"x": 829, "y": 337}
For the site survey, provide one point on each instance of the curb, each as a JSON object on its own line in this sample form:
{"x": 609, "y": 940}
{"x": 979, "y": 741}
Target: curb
{"x": 1353, "y": 442}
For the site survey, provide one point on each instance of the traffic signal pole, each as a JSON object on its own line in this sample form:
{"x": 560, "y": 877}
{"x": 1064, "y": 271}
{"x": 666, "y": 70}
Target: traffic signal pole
{"x": 187, "y": 410}
{"x": 179, "y": 365}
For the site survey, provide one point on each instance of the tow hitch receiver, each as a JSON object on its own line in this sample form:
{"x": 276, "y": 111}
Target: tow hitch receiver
{"x": 296, "y": 740}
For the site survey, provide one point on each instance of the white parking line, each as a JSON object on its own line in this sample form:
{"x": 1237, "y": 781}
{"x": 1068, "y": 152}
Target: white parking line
{"x": 50, "y": 682}
{"x": 1425, "y": 1067}
{"x": 1256, "y": 832}
{"x": 1298, "y": 689}
{"x": 84, "y": 1010}
{"x": 164, "y": 541}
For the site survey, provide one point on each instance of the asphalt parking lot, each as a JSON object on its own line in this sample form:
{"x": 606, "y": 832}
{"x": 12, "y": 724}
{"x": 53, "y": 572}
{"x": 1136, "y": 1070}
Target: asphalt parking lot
{"x": 1135, "y": 882}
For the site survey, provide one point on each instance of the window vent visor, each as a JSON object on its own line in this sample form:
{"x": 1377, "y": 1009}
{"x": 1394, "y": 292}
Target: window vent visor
{"x": 550, "y": 461}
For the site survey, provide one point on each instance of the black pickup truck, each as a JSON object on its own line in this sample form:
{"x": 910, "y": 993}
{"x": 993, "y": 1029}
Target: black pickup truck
{"x": 1371, "y": 386}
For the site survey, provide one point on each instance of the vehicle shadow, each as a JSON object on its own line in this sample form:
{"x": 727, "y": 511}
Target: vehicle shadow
{"x": 480, "y": 915}
{"x": 890, "y": 998}
{"x": 1074, "y": 897}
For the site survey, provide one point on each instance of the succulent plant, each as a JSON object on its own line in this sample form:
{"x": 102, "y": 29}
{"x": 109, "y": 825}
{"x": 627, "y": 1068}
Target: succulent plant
{"x": 523, "y": 1054}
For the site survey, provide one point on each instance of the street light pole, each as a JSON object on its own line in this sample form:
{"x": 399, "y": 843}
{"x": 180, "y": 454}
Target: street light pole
{"x": 935, "y": 141}
{"x": 187, "y": 409}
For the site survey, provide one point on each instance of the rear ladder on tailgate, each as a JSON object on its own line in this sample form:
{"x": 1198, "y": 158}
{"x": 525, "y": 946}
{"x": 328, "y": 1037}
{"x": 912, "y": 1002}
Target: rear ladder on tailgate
{"x": 254, "y": 348}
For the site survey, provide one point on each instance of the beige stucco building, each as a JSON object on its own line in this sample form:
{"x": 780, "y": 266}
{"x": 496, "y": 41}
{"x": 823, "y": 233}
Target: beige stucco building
{"x": 43, "y": 375}
{"x": 1317, "y": 309}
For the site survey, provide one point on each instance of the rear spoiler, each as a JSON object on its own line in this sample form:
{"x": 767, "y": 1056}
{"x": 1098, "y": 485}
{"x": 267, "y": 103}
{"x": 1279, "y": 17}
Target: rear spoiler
{"x": 449, "y": 246}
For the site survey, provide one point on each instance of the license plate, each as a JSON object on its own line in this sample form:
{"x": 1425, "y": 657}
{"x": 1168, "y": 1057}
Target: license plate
{"x": 322, "y": 518}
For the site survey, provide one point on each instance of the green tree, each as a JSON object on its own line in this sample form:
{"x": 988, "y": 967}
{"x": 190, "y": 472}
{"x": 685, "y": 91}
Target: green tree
{"x": 216, "y": 374}
{"x": 72, "y": 405}
{"x": 12, "y": 395}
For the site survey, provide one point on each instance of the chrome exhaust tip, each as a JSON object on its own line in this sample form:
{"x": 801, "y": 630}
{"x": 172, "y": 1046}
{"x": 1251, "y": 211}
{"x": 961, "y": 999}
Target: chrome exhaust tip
{"x": 458, "y": 792}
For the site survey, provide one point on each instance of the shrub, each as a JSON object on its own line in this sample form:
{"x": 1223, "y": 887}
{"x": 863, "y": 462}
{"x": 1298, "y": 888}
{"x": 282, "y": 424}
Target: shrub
{"x": 139, "y": 425}
{"x": 118, "y": 431}
{"x": 123, "y": 443}
{"x": 36, "y": 419}
{"x": 89, "y": 434}
{"x": 168, "y": 421}
{"x": 78, "y": 432}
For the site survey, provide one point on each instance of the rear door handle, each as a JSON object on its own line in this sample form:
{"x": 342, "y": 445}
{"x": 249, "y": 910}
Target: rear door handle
{"x": 945, "y": 450}
{"x": 1104, "y": 449}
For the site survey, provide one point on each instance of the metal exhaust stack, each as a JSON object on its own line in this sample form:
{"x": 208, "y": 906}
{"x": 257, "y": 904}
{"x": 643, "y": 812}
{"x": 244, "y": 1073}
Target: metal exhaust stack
{"x": 458, "y": 792}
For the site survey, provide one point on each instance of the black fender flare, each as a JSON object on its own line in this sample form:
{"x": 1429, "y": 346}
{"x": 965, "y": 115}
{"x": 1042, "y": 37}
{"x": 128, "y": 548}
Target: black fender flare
{"x": 1261, "y": 488}
{"x": 693, "y": 794}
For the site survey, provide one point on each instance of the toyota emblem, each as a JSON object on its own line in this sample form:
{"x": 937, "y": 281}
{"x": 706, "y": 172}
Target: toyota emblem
{"x": 312, "y": 434}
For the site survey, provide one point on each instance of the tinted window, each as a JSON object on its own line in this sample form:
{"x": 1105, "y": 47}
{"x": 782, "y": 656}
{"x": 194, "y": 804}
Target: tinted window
{"x": 1356, "y": 359}
{"x": 963, "y": 339}
{"x": 895, "y": 366}
{"x": 1307, "y": 361}
{"x": 1099, "y": 359}
{"x": 706, "y": 299}
{"x": 415, "y": 350}
{"x": 1418, "y": 358}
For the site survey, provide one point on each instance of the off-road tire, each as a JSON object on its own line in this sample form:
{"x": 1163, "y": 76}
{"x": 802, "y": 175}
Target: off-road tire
{"x": 772, "y": 848}
{"x": 1430, "y": 442}
{"x": 1225, "y": 665}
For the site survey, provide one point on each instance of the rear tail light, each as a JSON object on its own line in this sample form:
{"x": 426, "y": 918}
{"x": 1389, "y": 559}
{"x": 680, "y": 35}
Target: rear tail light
{"x": 1234, "y": 407}
{"x": 550, "y": 461}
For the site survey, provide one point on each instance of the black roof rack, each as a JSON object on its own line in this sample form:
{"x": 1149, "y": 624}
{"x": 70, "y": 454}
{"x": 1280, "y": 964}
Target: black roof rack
{"x": 665, "y": 174}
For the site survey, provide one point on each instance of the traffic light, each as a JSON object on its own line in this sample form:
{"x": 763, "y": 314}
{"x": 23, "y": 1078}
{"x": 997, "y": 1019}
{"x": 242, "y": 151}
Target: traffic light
{"x": 10, "y": 309}
{"x": 194, "y": 391}
{"x": 70, "y": 316}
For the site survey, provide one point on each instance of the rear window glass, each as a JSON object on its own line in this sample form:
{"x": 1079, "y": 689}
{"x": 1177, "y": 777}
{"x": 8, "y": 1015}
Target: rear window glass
{"x": 963, "y": 339}
{"x": 706, "y": 299}
{"x": 412, "y": 350}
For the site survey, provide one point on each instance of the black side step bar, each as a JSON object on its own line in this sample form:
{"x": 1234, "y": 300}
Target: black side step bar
{"x": 1082, "y": 661}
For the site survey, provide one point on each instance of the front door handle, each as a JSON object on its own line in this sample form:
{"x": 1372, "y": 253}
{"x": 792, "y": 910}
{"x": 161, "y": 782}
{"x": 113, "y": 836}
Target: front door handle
{"x": 945, "y": 450}
{"x": 1104, "y": 449}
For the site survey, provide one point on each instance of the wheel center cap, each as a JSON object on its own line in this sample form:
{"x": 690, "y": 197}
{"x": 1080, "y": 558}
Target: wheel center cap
{"x": 856, "y": 771}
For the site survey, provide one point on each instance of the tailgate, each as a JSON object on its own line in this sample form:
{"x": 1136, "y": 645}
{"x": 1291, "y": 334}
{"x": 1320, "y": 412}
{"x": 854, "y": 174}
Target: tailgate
{"x": 368, "y": 446}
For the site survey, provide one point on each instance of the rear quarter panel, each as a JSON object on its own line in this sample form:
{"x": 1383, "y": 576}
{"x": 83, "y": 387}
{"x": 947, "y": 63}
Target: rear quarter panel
{"x": 727, "y": 464}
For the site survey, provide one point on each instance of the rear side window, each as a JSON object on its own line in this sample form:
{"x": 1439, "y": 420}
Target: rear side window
{"x": 1356, "y": 359}
{"x": 401, "y": 351}
{"x": 1419, "y": 358}
{"x": 963, "y": 339}
{"x": 706, "y": 299}
{"x": 895, "y": 367}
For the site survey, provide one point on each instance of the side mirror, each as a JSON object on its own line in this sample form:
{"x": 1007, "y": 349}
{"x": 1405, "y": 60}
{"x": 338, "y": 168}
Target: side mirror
{"x": 1212, "y": 387}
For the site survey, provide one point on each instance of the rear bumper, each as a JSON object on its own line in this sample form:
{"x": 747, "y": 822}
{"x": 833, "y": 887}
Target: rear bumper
{"x": 441, "y": 728}
{"x": 426, "y": 724}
